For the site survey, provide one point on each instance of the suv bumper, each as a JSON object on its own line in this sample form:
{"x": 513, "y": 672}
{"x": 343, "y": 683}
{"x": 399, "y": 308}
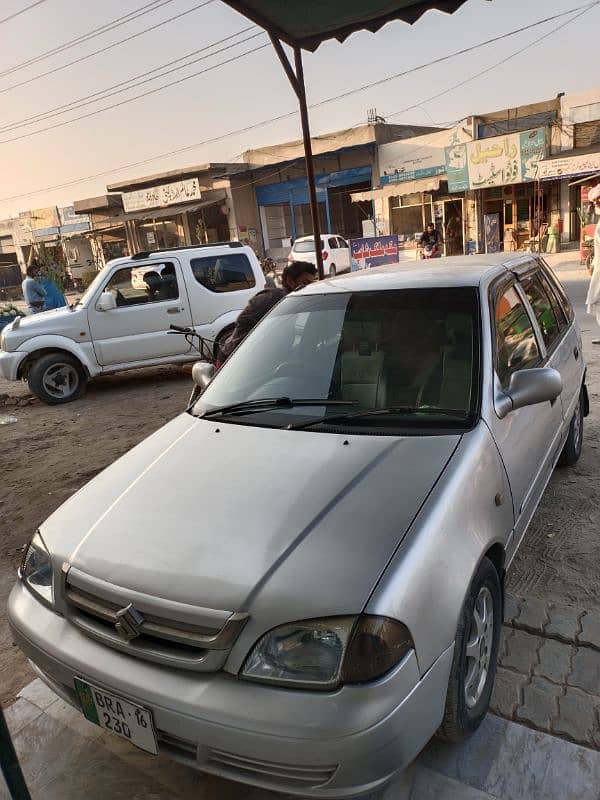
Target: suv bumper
{"x": 243, "y": 731}
{"x": 9, "y": 364}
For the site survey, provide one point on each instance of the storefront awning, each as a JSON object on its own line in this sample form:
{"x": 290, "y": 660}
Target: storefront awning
{"x": 398, "y": 189}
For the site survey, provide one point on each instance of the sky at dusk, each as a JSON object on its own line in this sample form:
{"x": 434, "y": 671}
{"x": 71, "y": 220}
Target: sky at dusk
{"x": 251, "y": 89}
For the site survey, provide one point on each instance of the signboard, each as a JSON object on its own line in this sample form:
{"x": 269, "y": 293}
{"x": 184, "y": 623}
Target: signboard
{"x": 373, "y": 251}
{"x": 168, "y": 194}
{"x": 569, "y": 166}
{"x": 44, "y": 218}
{"x": 420, "y": 157}
{"x": 491, "y": 225}
{"x": 498, "y": 161}
{"x": 69, "y": 218}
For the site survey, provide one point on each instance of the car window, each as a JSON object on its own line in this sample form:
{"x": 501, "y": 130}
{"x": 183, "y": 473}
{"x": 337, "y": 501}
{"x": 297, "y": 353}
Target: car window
{"x": 231, "y": 272}
{"x": 563, "y": 310}
{"x": 560, "y": 293}
{"x": 150, "y": 283}
{"x": 333, "y": 243}
{"x": 307, "y": 246}
{"x": 543, "y": 309}
{"x": 342, "y": 242}
{"x": 516, "y": 345}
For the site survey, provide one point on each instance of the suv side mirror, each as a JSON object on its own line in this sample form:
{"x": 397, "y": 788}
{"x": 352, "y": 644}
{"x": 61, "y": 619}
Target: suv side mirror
{"x": 202, "y": 373}
{"x": 106, "y": 302}
{"x": 528, "y": 387}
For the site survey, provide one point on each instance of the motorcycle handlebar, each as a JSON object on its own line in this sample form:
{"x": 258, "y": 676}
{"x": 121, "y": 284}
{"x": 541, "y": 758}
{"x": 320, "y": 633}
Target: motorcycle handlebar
{"x": 179, "y": 329}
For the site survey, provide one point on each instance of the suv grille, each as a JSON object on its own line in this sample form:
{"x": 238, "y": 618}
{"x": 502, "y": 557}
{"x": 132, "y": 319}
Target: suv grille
{"x": 153, "y": 637}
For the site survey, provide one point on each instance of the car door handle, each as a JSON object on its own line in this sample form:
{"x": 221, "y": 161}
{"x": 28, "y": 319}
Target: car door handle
{"x": 174, "y": 310}
{"x": 576, "y": 352}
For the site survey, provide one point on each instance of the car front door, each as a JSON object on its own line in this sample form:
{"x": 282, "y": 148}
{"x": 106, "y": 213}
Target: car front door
{"x": 149, "y": 298}
{"x": 529, "y": 439}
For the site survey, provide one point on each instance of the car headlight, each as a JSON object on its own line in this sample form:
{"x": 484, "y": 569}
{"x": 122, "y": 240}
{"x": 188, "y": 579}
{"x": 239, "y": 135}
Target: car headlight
{"x": 327, "y": 653}
{"x": 36, "y": 570}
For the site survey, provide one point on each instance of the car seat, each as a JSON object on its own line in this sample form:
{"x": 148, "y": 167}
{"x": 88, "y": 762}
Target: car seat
{"x": 362, "y": 378}
{"x": 457, "y": 365}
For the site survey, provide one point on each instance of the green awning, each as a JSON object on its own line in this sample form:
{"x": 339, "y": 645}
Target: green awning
{"x": 307, "y": 23}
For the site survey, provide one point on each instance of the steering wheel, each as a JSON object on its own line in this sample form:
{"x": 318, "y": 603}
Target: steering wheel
{"x": 297, "y": 369}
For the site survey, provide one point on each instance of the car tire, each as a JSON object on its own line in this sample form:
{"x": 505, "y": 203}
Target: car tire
{"x": 572, "y": 448}
{"x": 221, "y": 339}
{"x": 332, "y": 271}
{"x": 475, "y": 654}
{"x": 57, "y": 378}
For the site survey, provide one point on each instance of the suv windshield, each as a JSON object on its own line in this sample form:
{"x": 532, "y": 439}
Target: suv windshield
{"x": 387, "y": 359}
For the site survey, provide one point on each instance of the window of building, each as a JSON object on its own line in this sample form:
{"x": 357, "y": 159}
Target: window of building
{"x": 516, "y": 345}
{"x": 542, "y": 308}
{"x": 224, "y": 273}
{"x": 150, "y": 283}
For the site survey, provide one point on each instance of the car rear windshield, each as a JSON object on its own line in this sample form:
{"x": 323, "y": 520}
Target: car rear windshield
{"x": 392, "y": 359}
{"x": 305, "y": 247}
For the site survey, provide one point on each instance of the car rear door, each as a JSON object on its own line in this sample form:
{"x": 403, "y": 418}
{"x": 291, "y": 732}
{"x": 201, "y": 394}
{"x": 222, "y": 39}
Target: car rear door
{"x": 529, "y": 439}
{"x": 150, "y": 297}
{"x": 344, "y": 253}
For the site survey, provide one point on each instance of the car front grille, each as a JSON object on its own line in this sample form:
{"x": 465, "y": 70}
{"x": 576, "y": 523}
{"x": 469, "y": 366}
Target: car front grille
{"x": 155, "y": 637}
{"x": 269, "y": 772}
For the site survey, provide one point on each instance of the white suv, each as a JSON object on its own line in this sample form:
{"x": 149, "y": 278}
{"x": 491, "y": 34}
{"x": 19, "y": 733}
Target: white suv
{"x": 335, "y": 249}
{"x": 122, "y": 320}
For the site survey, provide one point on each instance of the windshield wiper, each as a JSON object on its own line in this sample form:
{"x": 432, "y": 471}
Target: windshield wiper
{"x": 266, "y": 403}
{"x": 389, "y": 410}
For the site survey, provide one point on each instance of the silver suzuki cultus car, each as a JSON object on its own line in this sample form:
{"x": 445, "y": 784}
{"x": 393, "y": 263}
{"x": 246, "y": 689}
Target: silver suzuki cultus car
{"x": 299, "y": 581}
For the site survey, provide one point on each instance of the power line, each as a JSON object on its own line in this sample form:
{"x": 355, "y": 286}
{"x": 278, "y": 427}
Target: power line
{"x": 105, "y": 49}
{"x": 133, "y": 82}
{"x": 139, "y": 96}
{"x": 108, "y": 26}
{"x": 22, "y": 11}
{"x": 255, "y": 126}
{"x": 83, "y": 101}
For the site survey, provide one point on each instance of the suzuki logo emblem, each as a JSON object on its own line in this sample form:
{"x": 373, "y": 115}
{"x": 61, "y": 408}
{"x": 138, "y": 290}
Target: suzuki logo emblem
{"x": 129, "y": 622}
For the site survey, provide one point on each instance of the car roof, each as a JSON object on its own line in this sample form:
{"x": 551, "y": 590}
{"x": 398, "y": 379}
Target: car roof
{"x": 450, "y": 271}
{"x": 203, "y": 249}
{"x": 323, "y": 236}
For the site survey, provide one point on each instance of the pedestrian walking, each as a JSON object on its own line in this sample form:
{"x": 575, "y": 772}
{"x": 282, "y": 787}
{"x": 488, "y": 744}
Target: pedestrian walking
{"x": 593, "y": 296}
{"x": 33, "y": 291}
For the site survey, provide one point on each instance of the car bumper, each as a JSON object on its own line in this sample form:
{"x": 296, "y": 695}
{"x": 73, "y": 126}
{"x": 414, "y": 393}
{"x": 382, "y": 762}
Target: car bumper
{"x": 9, "y": 364}
{"x": 289, "y": 741}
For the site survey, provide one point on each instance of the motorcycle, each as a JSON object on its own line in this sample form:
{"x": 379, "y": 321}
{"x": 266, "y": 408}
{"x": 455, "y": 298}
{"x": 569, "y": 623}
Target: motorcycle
{"x": 431, "y": 251}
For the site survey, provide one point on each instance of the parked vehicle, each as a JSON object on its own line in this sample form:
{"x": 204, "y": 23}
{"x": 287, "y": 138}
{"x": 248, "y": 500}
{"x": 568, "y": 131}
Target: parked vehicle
{"x": 311, "y": 639}
{"x": 335, "y": 249}
{"x": 121, "y": 320}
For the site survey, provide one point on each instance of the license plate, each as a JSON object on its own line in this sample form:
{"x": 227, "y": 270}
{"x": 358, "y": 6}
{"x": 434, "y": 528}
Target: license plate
{"x": 119, "y": 716}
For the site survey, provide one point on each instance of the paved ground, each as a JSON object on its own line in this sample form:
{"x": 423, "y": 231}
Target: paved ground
{"x": 67, "y": 758}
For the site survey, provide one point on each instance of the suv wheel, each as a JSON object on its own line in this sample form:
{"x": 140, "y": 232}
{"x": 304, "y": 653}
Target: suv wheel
{"x": 220, "y": 341}
{"x": 57, "y": 378}
{"x": 332, "y": 271}
{"x": 475, "y": 654}
{"x": 572, "y": 449}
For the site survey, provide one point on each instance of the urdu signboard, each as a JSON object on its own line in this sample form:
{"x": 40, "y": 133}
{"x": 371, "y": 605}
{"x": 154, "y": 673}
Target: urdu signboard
{"x": 497, "y": 161}
{"x": 167, "y": 194}
{"x": 569, "y": 166}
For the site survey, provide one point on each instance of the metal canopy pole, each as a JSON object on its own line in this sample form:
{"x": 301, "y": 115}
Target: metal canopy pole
{"x": 10, "y": 764}
{"x": 297, "y": 81}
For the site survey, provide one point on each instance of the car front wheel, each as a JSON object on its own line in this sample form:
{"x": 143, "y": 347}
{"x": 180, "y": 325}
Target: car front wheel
{"x": 572, "y": 449}
{"x": 57, "y": 378}
{"x": 475, "y": 654}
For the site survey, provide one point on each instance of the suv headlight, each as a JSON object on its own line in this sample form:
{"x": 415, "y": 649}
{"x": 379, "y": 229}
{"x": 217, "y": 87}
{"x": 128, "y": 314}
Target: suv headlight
{"x": 327, "y": 653}
{"x": 36, "y": 570}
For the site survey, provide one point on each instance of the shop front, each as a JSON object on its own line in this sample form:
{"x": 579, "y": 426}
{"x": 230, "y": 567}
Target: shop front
{"x": 285, "y": 211}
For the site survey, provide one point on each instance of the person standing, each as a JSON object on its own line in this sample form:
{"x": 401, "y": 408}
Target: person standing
{"x": 592, "y": 300}
{"x": 33, "y": 292}
{"x": 54, "y": 297}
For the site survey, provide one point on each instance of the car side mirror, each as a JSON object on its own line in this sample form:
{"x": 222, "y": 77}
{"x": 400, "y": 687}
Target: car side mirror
{"x": 528, "y": 387}
{"x": 107, "y": 302}
{"x": 203, "y": 373}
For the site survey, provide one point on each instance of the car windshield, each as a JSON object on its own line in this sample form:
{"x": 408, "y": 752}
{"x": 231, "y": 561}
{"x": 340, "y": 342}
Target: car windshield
{"x": 307, "y": 246}
{"x": 91, "y": 290}
{"x": 385, "y": 359}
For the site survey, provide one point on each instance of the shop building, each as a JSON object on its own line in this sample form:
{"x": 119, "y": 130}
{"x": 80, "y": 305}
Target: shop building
{"x": 345, "y": 163}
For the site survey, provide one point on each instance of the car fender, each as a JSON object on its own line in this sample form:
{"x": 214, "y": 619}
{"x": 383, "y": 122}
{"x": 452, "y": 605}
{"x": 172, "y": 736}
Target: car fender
{"x": 468, "y": 512}
{"x": 82, "y": 351}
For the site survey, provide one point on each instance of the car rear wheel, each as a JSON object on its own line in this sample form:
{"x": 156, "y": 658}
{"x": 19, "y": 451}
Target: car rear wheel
{"x": 332, "y": 271}
{"x": 220, "y": 341}
{"x": 57, "y": 378}
{"x": 475, "y": 654}
{"x": 572, "y": 449}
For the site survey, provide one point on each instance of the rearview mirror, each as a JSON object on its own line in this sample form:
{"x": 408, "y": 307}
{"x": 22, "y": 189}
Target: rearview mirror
{"x": 528, "y": 387}
{"x": 106, "y": 302}
{"x": 202, "y": 373}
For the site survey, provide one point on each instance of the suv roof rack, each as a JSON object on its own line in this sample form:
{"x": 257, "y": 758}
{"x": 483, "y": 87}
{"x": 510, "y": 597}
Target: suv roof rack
{"x": 148, "y": 253}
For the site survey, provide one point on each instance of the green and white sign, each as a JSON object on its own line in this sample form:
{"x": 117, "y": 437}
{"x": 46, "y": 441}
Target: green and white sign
{"x": 498, "y": 161}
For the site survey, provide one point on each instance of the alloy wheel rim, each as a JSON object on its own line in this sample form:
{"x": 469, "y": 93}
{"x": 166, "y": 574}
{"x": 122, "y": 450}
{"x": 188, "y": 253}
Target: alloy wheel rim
{"x": 60, "y": 380}
{"x": 479, "y": 647}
